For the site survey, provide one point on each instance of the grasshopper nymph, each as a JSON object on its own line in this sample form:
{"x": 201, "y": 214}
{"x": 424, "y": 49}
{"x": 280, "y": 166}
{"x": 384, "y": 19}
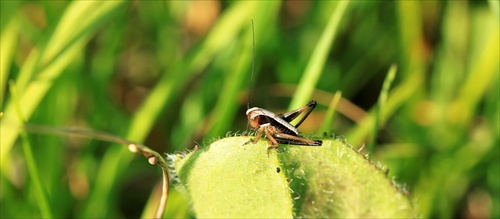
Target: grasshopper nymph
{"x": 278, "y": 128}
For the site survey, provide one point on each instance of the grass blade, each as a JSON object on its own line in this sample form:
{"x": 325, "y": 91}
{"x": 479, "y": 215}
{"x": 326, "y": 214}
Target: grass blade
{"x": 381, "y": 102}
{"x": 52, "y": 66}
{"x": 40, "y": 194}
{"x": 8, "y": 41}
{"x": 327, "y": 125}
{"x": 318, "y": 58}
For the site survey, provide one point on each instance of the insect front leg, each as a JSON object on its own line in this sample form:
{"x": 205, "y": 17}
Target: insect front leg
{"x": 257, "y": 137}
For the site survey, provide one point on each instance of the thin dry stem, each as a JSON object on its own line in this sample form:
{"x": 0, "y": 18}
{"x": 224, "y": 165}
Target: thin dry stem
{"x": 152, "y": 156}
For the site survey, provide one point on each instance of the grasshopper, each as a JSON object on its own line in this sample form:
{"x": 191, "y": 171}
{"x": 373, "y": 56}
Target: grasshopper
{"x": 277, "y": 127}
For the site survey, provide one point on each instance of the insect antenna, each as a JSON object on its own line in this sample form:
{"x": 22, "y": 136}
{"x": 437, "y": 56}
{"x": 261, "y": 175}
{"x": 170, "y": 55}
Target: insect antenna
{"x": 251, "y": 76}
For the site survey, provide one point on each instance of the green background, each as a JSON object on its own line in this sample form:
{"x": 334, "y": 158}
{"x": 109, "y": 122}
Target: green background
{"x": 175, "y": 74}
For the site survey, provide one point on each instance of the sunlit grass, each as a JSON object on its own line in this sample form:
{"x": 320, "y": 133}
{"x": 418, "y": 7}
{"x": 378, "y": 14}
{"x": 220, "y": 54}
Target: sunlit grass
{"x": 155, "y": 72}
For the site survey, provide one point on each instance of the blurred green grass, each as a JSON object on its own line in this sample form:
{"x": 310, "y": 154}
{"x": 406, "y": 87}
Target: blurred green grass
{"x": 171, "y": 74}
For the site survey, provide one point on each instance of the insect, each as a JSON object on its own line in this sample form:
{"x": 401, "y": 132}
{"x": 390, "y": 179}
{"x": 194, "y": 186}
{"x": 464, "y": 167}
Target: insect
{"x": 277, "y": 127}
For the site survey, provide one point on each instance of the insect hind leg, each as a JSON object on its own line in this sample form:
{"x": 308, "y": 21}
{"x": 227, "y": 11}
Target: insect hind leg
{"x": 295, "y": 113}
{"x": 296, "y": 140}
